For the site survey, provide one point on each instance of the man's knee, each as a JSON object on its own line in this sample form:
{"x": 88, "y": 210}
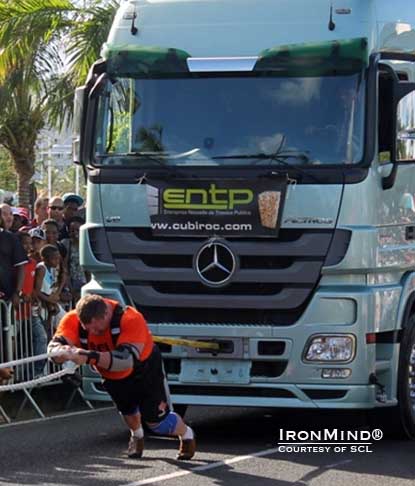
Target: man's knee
{"x": 167, "y": 426}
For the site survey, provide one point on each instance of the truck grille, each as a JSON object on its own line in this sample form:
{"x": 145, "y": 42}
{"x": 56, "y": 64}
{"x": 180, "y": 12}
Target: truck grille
{"x": 272, "y": 285}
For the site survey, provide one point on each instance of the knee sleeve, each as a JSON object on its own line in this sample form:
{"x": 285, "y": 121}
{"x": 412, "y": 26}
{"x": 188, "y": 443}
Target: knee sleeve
{"x": 167, "y": 426}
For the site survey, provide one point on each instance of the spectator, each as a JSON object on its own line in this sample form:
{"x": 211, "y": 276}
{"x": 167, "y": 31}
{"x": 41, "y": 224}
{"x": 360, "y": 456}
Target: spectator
{"x": 30, "y": 307}
{"x": 50, "y": 227}
{"x": 12, "y": 259}
{"x": 77, "y": 276}
{"x": 41, "y": 211}
{"x": 29, "y": 267}
{"x": 20, "y": 218}
{"x": 55, "y": 211}
{"x": 38, "y": 242}
{"x": 47, "y": 288}
{"x": 7, "y": 215}
{"x": 71, "y": 204}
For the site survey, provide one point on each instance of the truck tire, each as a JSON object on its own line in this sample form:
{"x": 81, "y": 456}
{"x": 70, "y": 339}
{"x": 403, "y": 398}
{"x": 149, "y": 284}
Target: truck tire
{"x": 399, "y": 421}
{"x": 406, "y": 380}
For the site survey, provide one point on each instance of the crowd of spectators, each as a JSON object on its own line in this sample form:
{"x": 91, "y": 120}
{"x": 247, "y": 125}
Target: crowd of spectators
{"x": 40, "y": 271}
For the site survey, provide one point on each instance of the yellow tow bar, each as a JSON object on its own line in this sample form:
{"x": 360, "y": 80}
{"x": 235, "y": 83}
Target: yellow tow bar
{"x": 186, "y": 342}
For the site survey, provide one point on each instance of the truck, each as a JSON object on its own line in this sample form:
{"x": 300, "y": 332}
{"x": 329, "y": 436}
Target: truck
{"x": 250, "y": 174}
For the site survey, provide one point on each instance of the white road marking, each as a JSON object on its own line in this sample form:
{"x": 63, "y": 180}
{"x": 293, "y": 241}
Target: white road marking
{"x": 206, "y": 467}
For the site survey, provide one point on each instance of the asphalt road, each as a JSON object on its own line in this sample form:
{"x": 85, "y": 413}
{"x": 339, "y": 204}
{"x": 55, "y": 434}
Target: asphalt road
{"x": 235, "y": 447}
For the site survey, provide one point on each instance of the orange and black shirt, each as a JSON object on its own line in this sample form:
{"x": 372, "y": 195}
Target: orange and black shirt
{"x": 133, "y": 329}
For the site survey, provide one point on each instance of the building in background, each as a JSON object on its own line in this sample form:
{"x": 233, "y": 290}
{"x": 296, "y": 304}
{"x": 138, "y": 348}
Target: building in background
{"x": 55, "y": 172}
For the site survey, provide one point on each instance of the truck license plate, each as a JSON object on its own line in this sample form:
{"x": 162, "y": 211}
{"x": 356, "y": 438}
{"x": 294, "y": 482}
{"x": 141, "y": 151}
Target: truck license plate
{"x": 213, "y": 371}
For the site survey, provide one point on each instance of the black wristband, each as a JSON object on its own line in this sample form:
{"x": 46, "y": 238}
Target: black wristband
{"x": 92, "y": 357}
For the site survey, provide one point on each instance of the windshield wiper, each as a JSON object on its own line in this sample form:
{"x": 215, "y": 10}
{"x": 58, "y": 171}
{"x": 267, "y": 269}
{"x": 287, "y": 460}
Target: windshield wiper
{"x": 278, "y": 157}
{"x": 161, "y": 157}
{"x": 272, "y": 156}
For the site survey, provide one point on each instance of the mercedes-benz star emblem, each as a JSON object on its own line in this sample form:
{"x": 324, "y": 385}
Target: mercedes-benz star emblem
{"x": 215, "y": 264}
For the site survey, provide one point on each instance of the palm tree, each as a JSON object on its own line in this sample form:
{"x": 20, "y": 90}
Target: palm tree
{"x": 36, "y": 81}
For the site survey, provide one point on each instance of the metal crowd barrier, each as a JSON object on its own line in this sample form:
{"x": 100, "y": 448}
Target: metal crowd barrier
{"x": 21, "y": 337}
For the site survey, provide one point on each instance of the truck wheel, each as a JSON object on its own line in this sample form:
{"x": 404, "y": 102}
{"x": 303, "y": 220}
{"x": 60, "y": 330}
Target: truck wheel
{"x": 406, "y": 380}
{"x": 399, "y": 421}
{"x": 180, "y": 409}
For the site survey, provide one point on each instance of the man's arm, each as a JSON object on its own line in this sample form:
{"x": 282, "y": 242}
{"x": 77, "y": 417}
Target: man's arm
{"x": 120, "y": 359}
{"x": 19, "y": 284}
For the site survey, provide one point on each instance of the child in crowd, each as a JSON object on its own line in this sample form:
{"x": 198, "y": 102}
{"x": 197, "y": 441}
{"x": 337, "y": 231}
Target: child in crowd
{"x": 50, "y": 227}
{"x": 38, "y": 241}
{"x": 47, "y": 289}
{"x": 29, "y": 270}
{"x": 30, "y": 308}
{"x": 77, "y": 275}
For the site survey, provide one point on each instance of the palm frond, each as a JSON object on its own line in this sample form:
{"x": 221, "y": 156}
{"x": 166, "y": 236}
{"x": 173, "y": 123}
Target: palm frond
{"x": 87, "y": 36}
{"x": 27, "y": 25}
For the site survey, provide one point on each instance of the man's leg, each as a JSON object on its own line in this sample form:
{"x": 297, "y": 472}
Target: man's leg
{"x": 172, "y": 424}
{"x": 156, "y": 412}
{"x": 40, "y": 343}
{"x": 121, "y": 392}
{"x": 136, "y": 444}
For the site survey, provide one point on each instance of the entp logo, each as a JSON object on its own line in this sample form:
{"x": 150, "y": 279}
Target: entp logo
{"x": 212, "y": 198}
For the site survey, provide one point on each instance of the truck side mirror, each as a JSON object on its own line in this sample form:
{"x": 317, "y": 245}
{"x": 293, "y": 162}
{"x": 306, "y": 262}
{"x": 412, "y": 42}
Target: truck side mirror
{"x": 80, "y": 107}
{"x": 403, "y": 148}
{"x": 91, "y": 104}
{"x": 405, "y": 128}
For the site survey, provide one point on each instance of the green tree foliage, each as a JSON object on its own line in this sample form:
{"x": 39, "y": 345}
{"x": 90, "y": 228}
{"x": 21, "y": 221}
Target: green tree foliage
{"x": 46, "y": 48}
{"x": 7, "y": 174}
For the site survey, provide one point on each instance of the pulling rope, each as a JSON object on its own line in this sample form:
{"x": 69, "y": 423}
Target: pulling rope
{"x": 69, "y": 368}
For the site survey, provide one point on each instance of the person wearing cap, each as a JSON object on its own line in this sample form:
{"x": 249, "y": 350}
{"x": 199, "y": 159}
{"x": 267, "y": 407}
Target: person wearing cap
{"x": 38, "y": 242}
{"x": 71, "y": 203}
{"x": 28, "y": 313}
{"x": 20, "y": 218}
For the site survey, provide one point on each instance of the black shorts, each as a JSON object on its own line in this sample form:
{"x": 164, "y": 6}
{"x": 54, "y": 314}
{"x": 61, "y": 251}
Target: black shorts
{"x": 143, "y": 391}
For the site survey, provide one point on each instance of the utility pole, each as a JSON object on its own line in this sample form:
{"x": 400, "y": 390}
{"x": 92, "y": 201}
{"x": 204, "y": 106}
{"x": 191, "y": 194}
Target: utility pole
{"x": 49, "y": 169}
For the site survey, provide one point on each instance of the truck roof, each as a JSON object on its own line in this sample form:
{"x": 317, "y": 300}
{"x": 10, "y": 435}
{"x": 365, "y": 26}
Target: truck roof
{"x": 221, "y": 28}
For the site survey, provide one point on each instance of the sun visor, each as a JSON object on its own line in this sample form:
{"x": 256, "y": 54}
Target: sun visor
{"x": 144, "y": 61}
{"x": 315, "y": 59}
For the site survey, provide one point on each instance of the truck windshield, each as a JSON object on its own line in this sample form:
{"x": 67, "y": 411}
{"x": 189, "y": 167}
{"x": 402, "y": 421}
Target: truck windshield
{"x": 250, "y": 120}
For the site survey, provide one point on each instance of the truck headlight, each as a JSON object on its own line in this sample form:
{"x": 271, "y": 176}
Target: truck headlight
{"x": 335, "y": 348}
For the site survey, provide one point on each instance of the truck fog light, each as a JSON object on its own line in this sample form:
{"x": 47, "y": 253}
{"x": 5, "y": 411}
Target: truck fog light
{"x": 336, "y": 372}
{"x": 340, "y": 348}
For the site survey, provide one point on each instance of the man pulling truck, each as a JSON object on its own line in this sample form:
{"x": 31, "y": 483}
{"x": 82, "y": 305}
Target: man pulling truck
{"x": 119, "y": 345}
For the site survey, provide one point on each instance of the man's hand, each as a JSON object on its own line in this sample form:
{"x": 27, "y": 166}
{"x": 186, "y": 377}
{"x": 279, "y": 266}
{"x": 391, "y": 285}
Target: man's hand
{"x": 64, "y": 349}
{"x": 15, "y": 300}
{"x": 54, "y": 298}
{"x": 78, "y": 356}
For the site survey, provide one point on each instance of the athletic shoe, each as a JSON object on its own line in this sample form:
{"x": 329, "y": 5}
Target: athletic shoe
{"x": 135, "y": 447}
{"x": 187, "y": 449}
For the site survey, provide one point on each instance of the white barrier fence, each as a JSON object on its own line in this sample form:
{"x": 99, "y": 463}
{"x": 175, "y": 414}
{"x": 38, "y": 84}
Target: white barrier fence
{"x": 24, "y": 335}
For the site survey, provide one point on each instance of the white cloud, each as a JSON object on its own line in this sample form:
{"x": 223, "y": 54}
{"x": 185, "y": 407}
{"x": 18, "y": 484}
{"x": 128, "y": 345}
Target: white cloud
{"x": 297, "y": 91}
